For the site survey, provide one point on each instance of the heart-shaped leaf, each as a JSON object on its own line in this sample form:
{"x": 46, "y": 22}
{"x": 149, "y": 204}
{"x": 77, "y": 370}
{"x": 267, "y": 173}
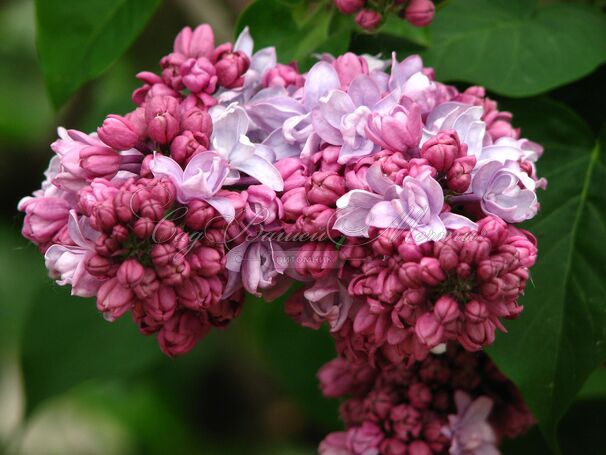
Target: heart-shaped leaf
{"x": 514, "y": 47}
{"x": 559, "y": 339}
{"x": 78, "y": 40}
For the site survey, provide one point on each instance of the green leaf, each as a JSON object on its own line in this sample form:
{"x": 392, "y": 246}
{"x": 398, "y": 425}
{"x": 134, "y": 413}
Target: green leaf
{"x": 78, "y": 40}
{"x": 402, "y": 29}
{"x": 66, "y": 341}
{"x": 22, "y": 273}
{"x": 514, "y": 47}
{"x": 559, "y": 339}
{"x": 299, "y": 32}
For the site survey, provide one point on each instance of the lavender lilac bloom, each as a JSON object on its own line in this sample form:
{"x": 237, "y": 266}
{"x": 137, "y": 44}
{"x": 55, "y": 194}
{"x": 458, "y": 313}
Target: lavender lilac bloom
{"x": 392, "y": 198}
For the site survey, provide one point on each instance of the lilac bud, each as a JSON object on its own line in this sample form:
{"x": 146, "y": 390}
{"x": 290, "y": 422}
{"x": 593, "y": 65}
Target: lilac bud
{"x": 186, "y": 145}
{"x": 442, "y": 149}
{"x": 429, "y": 330}
{"x": 368, "y": 19}
{"x": 262, "y": 207}
{"x": 161, "y": 114}
{"x": 118, "y": 132}
{"x": 99, "y": 161}
{"x": 431, "y": 273}
{"x": 420, "y": 12}
{"x": 162, "y": 304}
{"x": 293, "y": 172}
{"x": 230, "y": 67}
{"x": 446, "y": 309}
{"x": 399, "y": 130}
{"x": 458, "y": 177}
{"x": 348, "y": 67}
{"x": 114, "y": 299}
{"x": 130, "y": 273}
{"x": 294, "y": 202}
{"x": 206, "y": 261}
{"x": 283, "y": 76}
{"x": 198, "y": 75}
{"x": 325, "y": 188}
{"x": 476, "y": 311}
{"x": 349, "y": 6}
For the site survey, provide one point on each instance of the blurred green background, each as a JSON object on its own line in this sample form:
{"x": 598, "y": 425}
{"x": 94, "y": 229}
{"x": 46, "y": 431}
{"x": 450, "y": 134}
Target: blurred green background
{"x": 71, "y": 383}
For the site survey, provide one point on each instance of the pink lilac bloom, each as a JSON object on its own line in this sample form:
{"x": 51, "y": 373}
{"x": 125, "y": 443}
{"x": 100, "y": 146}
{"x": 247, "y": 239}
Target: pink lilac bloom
{"x": 390, "y": 197}
{"x": 455, "y": 403}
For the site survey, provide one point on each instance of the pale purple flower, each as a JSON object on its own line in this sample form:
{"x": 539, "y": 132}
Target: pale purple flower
{"x": 398, "y": 130}
{"x": 260, "y": 63}
{"x": 230, "y": 142}
{"x": 503, "y": 190}
{"x": 469, "y": 430}
{"x": 330, "y": 301}
{"x": 202, "y": 178}
{"x": 340, "y": 118}
{"x": 408, "y": 79}
{"x": 415, "y": 206}
{"x": 462, "y": 118}
{"x": 66, "y": 263}
{"x": 71, "y": 143}
{"x": 257, "y": 265}
{"x": 288, "y": 120}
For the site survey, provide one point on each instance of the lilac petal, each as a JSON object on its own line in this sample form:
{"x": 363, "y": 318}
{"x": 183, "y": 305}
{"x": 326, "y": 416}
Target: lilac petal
{"x": 358, "y": 198}
{"x": 325, "y": 130}
{"x": 433, "y": 231}
{"x": 377, "y": 181}
{"x": 224, "y": 206}
{"x": 279, "y": 146}
{"x": 263, "y": 60}
{"x": 401, "y": 72}
{"x": 363, "y": 91}
{"x": 271, "y": 113}
{"x": 352, "y": 221}
{"x": 241, "y": 151}
{"x": 279, "y": 258}
{"x": 483, "y": 177}
{"x": 75, "y": 232}
{"x": 322, "y": 288}
{"x": 321, "y": 79}
{"x": 434, "y": 192}
{"x": 234, "y": 283}
{"x": 384, "y": 215}
{"x": 262, "y": 170}
{"x": 336, "y": 105}
{"x": 349, "y": 153}
{"x": 228, "y": 127}
{"x": 454, "y": 221}
{"x": 311, "y": 146}
{"x": 251, "y": 268}
{"x": 163, "y": 166}
{"x": 265, "y": 152}
{"x": 298, "y": 128}
{"x": 244, "y": 43}
{"x": 235, "y": 257}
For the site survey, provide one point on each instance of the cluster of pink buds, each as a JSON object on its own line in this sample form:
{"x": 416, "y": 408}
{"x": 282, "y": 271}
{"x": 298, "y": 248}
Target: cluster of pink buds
{"x": 457, "y": 403}
{"x": 369, "y": 14}
{"x": 391, "y": 197}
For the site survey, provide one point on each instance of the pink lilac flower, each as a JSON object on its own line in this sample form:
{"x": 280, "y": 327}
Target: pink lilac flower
{"x": 454, "y": 403}
{"x": 389, "y": 196}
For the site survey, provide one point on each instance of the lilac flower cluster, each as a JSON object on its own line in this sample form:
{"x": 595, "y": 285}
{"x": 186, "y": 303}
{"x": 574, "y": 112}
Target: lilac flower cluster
{"x": 392, "y": 198}
{"x": 457, "y": 403}
{"x": 370, "y": 14}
